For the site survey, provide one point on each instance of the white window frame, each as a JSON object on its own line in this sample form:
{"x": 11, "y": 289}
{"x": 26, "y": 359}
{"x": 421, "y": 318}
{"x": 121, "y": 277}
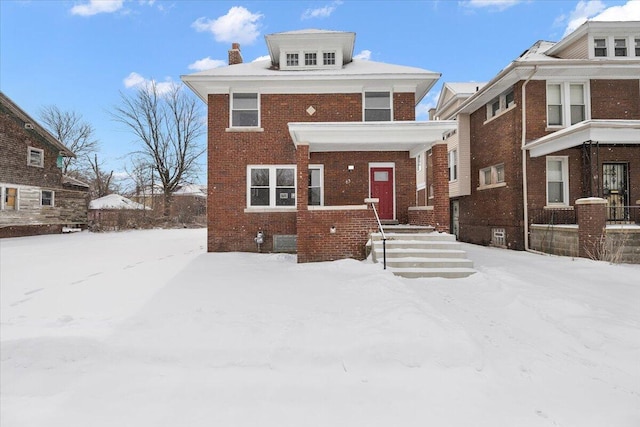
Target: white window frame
{"x": 35, "y": 150}
{"x": 564, "y": 161}
{"x": 625, "y": 46}
{"x": 364, "y": 104}
{"x": 321, "y": 169}
{"x": 232, "y": 110}
{"x": 53, "y": 199}
{"x": 331, "y": 60}
{"x": 610, "y": 45}
{"x": 307, "y": 58}
{"x": 502, "y": 104}
{"x": 453, "y": 165}
{"x": 565, "y": 99}
{"x": 493, "y": 177}
{"x": 292, "y": 57}
{"x": 272, "y": 188}
{"x": 419, "y": 163}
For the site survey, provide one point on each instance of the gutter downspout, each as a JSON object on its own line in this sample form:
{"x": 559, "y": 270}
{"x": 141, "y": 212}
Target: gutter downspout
{"x": 524, "y": 160}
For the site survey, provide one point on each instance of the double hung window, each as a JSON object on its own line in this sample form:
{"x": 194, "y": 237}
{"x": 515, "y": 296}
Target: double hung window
{"x": 620, "y": 47}
{"x": 35, "y": 157}
{"x": 566, "y": 103}
{"x": 377, "y": 106}
{"x": 271, "y": 186}
{"x": 315, "y": 185}
{"x": 46, "y": 198}
{"x": 557, "y": 180}
{"x": 453, "y": 165}
{"x": 244, "y": 110}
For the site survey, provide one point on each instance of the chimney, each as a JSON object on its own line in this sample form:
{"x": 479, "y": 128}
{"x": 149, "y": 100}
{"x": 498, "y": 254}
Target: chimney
{"x": 235, "y": 57}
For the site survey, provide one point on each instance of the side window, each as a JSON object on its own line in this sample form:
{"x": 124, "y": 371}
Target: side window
{"x": 35, "y": 157}
{"x": 557, "y": 180}
{"x": 244, "y": 109}
{"x": 271, "y": 186}
{"x": 453, "y": 165}
{"x": 316, "y": 184}
{"x": 377, "y": 107}
{"x": 46, "y": 198}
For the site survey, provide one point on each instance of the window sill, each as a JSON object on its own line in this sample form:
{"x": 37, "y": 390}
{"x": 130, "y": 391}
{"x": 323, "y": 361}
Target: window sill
{"x": 500, "y": 113}
{"x": 558, "y": 206}
{"x": 489, "y": 187}
{"x": 269, "y": 209}
{"x": 244, "y": 129}
{"x": 35, "y": 166}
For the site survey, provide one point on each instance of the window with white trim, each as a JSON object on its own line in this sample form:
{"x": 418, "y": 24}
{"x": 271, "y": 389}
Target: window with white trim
{"x": 328, "y": 58}
{"x": 245, "y": 110}
{"x": 271, "y": 186}
{"x": 492, "y": 176}
{"x": 600, "y": 47}
{"x": 453, "y": 165}
{"x": 620, "y": 47}
{"x": 292, "y": 59}
{"x": 310, "y": 59}
{"x": 46, "y": 198}
{"x": 316, "y": 185}
{"x": 35, "y": 157}
{"x": 9, "y": 198}
{"x": 377, "y": 106}
{"x": 566, "y": 103}
{"x": 557, "y": 180}
{"x": 637, "y": 43}
{"x": 419, "y": 162}
{"x": 500, "y": 103}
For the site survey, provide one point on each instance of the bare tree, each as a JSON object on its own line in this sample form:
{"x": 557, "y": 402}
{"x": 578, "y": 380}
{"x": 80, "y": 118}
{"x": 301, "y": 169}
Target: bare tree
{"x": 69, "y": 128}
{"x": 168, "y": 126}
{"x": 101, "y": 182}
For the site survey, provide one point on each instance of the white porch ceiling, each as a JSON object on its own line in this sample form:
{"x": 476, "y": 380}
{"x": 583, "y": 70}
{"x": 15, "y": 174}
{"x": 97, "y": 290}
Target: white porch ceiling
{"x": 414, "y": 137}
{"x": 602, "y": 131}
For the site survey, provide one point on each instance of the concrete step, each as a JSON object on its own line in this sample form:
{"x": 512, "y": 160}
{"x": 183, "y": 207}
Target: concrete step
{"x": 431, "y": 236}
{"x": 421, "y": 253}
{"x": 404, "y": 228}
{"x": 415, "y": 244}
{"x": 419, "y": 262}
{"x": 448, "y": 273}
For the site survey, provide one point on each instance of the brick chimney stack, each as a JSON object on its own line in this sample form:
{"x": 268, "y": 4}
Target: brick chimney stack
{"x": 235, "y": 57}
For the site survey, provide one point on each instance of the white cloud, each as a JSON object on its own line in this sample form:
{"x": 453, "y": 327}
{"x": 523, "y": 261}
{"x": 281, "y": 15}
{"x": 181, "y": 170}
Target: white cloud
{"x": 135, "y": 80}
{"x": 238, "y": 25}
{"x": 207, "y": 64}
{"x": 583, "y": 11}
{"x": 97, "y": 6}
{"x": 364, "y": 55}
{"x": 321, "y": 12}
{"x": 491, "y": 4}
{"x": 627, "y": 12}
{"x": 261, "y": 58}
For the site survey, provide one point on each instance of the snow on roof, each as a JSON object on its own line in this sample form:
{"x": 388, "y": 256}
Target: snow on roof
{"x": 465, "y": 87}
{"x": 115, "y": 201}
{"x": 537, "y": 52}
{"x": 263, "y": 69}
{"x": 190, "y": 190}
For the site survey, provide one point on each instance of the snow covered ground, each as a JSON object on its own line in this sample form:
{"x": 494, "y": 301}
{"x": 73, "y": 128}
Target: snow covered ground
{"x": 145, "y": 328}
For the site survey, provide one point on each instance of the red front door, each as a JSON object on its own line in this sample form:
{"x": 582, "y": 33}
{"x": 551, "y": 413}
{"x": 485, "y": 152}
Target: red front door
{"x": 381, "y": 179}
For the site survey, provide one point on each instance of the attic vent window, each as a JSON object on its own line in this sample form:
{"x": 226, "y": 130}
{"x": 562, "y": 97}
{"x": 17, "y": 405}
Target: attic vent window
{"x": 28, "y": 125}
{"x": 292, "y": 59}
{"x": 310, "y": 58}
{"x": 329, "y": 58}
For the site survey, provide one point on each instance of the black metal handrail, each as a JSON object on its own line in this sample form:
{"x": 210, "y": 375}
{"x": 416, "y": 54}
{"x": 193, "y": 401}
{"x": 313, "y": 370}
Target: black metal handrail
{"x": 553, "y": 216}
{"x": 384, "y": 237}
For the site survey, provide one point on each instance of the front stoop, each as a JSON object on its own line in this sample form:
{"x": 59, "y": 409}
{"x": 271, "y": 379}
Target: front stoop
{"x": 415, "y": 252}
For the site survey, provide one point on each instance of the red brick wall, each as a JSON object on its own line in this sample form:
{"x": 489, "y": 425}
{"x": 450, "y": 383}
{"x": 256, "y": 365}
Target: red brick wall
{"x": 592, "y": 220}
{"x": 442, "y": 216}
{"x": 229, "y": 153}
{"x": 352, "y": 229}
{"x": 615, "y": 99}
{"x": 423, "y": 217}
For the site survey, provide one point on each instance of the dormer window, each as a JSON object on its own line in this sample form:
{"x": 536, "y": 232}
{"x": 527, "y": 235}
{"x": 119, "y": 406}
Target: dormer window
{"x": 292, "y": 59}
{"x": 310, "y": 59}
{"x": 329, "y": 58}
{"x": 377, "y": 107}
{"x": 600, "y": 47}
{"x": 620, "y": 47}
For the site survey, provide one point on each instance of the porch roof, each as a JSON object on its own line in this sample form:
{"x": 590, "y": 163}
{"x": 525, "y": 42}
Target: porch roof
{"x": 602, "y": 131}
{"x": 411, "y": 136}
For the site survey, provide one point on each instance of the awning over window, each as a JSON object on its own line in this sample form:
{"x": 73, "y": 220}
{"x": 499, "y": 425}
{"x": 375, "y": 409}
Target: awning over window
{"x": 414, "y": 137}
{"x": 602, "y": 131}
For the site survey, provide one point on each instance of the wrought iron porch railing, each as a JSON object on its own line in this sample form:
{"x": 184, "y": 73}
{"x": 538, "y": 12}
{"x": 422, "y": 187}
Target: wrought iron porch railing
{"x": 552, "y": 216}
{"x": 623, "y": 215}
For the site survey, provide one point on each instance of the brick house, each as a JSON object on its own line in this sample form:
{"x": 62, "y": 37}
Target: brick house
{"x": 300, "y": 144}
{"x": 35, "y": 197}
{"x": 558, "y": 124}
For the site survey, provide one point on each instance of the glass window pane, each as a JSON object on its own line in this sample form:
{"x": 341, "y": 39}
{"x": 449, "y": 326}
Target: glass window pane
{"x": 509, "y": 98}
{"x": 600, "y": 47}
{"x": 259, "y": 177}
{"x": 285, "y": 196}
{"x": 577, "y": 114}
{"x": 314, "y": 196}
{"x": 314, "y": 177}
{"x": 285, "y": 177}
{"x": 260, "y": 197}
{"x": 245, "y": 101}
{"x": 555, "y": 114}
{"x": 487, "y": 176}
{"x": 577, "y": 94}
{"x": 381, "y": 176}
{"x": 500, "y": 173}
{"x": 555, "y": 192}
{"x": 245, "y": 118}
{"x": 377, "y": 100}
{"x": 377, "y": 115}
{"x": 554, "y": 94}
{"x": 620, "y": 47}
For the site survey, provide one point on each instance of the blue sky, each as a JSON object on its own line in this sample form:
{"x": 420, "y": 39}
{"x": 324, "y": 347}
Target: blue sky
{"x": 80, "y": 55}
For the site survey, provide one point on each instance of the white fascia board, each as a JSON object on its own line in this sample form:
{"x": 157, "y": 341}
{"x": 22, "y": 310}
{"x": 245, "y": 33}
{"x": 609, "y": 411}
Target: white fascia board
{"x": 368, "y": 136}
{"x": 602, "y": 131}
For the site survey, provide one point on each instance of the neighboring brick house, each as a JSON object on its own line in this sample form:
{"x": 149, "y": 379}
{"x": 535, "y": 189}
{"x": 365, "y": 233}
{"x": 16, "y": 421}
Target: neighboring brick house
{"x": 559, "y": 123}
{"x": 35, "y": 198}
{"x": 296, "y": 143}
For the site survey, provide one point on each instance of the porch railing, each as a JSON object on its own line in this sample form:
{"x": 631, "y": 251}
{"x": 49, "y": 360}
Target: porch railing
{"x": 552, "y": 216}
{"x": 623, "y": 215}
{"x": 384, "y": 237}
